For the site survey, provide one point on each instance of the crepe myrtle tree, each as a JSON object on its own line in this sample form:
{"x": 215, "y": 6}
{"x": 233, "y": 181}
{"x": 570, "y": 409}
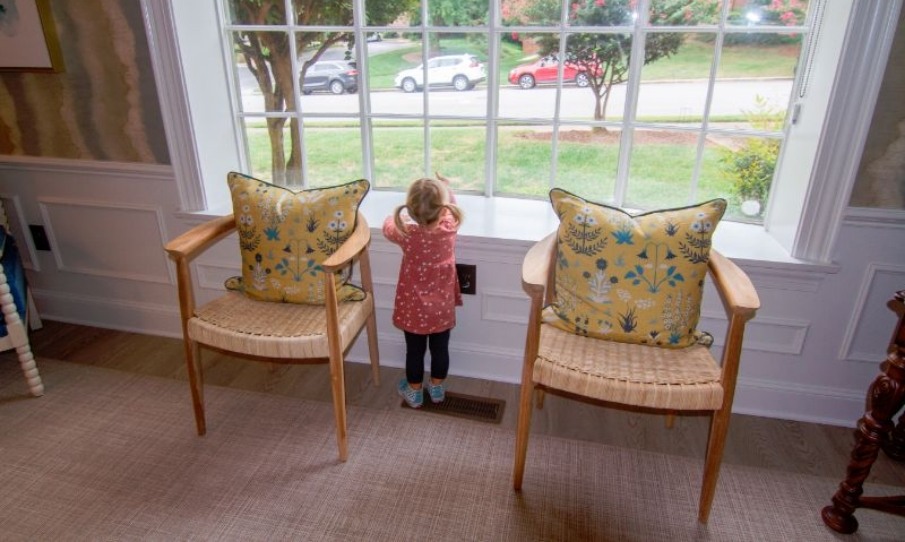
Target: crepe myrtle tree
{"x": 605, "y": 58}
{"x": 268, "y": 57}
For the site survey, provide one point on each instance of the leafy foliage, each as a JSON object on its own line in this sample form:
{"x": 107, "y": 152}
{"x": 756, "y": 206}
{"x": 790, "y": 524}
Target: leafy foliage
{"x": 750, "y": 167}
{"x": 606, "y": 58}
{"x": 268, "y": 57}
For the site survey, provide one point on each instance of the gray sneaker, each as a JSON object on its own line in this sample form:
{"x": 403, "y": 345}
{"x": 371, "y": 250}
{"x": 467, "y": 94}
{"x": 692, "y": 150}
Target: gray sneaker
{"x": 437, "y": 392}
{"x": 413, "y": 398}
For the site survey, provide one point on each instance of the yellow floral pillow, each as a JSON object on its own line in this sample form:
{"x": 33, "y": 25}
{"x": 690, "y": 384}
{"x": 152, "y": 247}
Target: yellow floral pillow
{"x": 635, "y": 279}
{"x": 285, "y": 235}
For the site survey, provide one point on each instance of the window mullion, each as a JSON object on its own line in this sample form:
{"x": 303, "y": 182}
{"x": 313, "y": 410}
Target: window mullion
{"x": 708, "y": 101}
{"x": 631, "y": 104}
{"x": 493, "y": 104}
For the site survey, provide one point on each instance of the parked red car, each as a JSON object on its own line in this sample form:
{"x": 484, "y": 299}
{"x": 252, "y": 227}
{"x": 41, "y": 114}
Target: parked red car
{"x": 544, "y": 70}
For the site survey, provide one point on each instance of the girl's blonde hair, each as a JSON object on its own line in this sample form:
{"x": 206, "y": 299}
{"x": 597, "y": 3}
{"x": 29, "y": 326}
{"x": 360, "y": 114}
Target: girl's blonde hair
{"x": 425, "y": 202}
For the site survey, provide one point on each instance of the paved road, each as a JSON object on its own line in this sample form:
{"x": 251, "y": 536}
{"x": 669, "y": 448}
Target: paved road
{"x": 666, "y": 99}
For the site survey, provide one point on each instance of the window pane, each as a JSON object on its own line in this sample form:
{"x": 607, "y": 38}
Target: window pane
{"x": 261, "y": 87}
{"x": 603, "y": 13}
{"x": 457, "y": 152}
{"x": 329, "y": 86}
{"x": 261, "y": 156}
{"x": 323, "y": 13}
{"x": 459, "y": 13}
{"x": 601, "y": 60}
{"x": 246, "y": 12}
{"x": 382, "y": 13}
{"x": 755, "y": 77}
{"x": 740, "y": 169}
{"x": 661, "y": 169}
{"x": 456, "y": 74}
{"x": 396, "y": 67}
{"x": 333, "y": 152}
{"x": 690, "y": 13}
{"x": 398, "y": 153}
{"x": 768, "y": 12}
{"x": 587, "y": 160}
{"x": 674, "y": 88}
{"x": 530, "y": 12}
{"x": 524, "y": 160}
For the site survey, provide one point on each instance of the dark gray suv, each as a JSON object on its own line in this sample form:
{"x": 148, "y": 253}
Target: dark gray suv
{"x": 334, "y": 76}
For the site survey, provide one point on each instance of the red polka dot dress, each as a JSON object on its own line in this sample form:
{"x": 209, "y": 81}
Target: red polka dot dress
{"x": 427, "y": 292}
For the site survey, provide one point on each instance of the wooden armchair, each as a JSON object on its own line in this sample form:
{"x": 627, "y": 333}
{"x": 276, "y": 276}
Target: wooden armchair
{"x": 276, "y": 332}
{"x": 649, "y": 377}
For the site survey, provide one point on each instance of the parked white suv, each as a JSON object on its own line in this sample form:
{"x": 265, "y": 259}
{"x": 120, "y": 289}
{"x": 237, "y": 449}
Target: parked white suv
{"x": 462, "y": 72}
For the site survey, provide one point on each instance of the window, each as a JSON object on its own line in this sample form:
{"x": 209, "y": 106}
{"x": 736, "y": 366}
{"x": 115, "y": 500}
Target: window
{"x": 661, "y": 102}
{"x": 505, "y": 138}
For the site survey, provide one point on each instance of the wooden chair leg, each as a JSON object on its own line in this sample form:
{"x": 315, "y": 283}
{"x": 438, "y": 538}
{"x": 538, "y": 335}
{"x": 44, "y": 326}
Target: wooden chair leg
{"x": 670, "y": 419}
{"x": 539, "y": 396}
{"x": 337, "y": 382}
{"x": 373, "y": 352}
{"x": 719, "y": 426}
{"x": 522, "y": 430}
{"x": 196, "y": 383}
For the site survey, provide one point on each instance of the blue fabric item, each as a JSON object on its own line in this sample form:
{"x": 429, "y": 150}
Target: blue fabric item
{"x": 15, "y": 275}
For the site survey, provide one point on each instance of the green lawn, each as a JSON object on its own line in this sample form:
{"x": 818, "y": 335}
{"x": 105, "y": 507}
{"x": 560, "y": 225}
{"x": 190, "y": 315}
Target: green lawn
{"x": 661, "y": 173}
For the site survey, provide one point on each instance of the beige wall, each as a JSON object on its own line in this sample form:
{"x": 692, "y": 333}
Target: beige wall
{"x": 881, "y": 175}
{"x": 103, "y": 106}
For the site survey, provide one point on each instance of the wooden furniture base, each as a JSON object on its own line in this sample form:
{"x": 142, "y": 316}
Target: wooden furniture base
{"x": 876, "y": 431}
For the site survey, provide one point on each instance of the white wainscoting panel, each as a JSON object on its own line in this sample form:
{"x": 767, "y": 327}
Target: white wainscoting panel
{"x": 871, "y": 322}
{"x": 109, "y": 240}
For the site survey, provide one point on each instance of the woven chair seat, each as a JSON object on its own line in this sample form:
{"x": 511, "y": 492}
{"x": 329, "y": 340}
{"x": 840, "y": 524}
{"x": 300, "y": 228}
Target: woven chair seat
{"x": 236, "y": 323}
{"x": 639, "y": 375}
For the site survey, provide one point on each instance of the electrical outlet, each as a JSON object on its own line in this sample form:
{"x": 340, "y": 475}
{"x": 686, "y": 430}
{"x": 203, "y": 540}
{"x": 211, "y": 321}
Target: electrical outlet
{"x": 468, "y": 278}
{"x": 39, "y": 237}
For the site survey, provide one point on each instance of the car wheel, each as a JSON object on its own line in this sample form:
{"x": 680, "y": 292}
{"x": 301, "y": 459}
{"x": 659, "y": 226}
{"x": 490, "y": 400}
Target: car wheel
{"x": 526, "y": 81}
{"x": 337, "y": 87}
{"x": 408, "y": 84}
{"x": 460, "y": 82}
{"x": 306, "y": 92}
{"x": 582, "y": 79}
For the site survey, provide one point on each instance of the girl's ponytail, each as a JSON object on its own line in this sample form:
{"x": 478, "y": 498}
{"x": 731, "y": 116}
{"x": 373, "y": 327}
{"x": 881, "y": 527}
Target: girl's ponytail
{"x": 397, "y": 219}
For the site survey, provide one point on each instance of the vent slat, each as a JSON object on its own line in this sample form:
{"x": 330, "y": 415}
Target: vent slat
{"x": 480, "y": 409}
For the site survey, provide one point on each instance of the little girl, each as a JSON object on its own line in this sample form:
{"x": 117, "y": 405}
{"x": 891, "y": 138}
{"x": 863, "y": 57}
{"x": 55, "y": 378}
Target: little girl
{"x": 427, "y": 292}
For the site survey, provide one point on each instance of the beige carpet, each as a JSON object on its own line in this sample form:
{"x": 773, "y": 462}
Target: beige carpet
{"x": 109, "y": 455}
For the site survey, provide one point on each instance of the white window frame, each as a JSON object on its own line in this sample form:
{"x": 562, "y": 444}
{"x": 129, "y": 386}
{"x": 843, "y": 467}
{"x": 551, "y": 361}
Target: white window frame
{"x": 805, "y": 223}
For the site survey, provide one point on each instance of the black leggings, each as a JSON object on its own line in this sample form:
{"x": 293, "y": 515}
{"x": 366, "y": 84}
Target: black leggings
{"x": 416, "y": 346}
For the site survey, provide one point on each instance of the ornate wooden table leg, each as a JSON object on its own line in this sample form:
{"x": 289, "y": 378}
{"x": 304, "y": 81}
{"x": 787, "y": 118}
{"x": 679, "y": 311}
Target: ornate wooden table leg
{"x": 876, "y": 430}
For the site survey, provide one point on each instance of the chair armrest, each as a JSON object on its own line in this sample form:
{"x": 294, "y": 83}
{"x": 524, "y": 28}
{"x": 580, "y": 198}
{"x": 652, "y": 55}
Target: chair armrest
{"x": 193, "y": 242}
{"x": 351, "y": 248}
{"x": 736, "y": 291}
{"x": 536, "y": 267}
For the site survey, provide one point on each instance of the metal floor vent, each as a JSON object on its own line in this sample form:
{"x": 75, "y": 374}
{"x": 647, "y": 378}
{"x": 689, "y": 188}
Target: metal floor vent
{"x": 479, "y": 409}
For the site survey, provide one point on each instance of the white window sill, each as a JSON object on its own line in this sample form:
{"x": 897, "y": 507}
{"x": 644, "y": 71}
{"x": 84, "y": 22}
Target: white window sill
{"x": 526, "y": 221}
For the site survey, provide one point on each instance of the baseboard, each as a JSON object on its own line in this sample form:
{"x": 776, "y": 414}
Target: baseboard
{"x": 757, "y": 397}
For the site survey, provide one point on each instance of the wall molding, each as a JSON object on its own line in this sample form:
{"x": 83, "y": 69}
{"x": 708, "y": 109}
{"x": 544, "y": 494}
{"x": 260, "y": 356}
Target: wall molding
{"x": 867, "y": 217}
{"x": 123, "y": 171}
{"x": 785, "y": 401}
{"x": 123, "y": 315}
{"x": 867, "y": 281}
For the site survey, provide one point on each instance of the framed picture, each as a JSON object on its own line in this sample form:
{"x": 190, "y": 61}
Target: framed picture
{"x": 28, "y": 37}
